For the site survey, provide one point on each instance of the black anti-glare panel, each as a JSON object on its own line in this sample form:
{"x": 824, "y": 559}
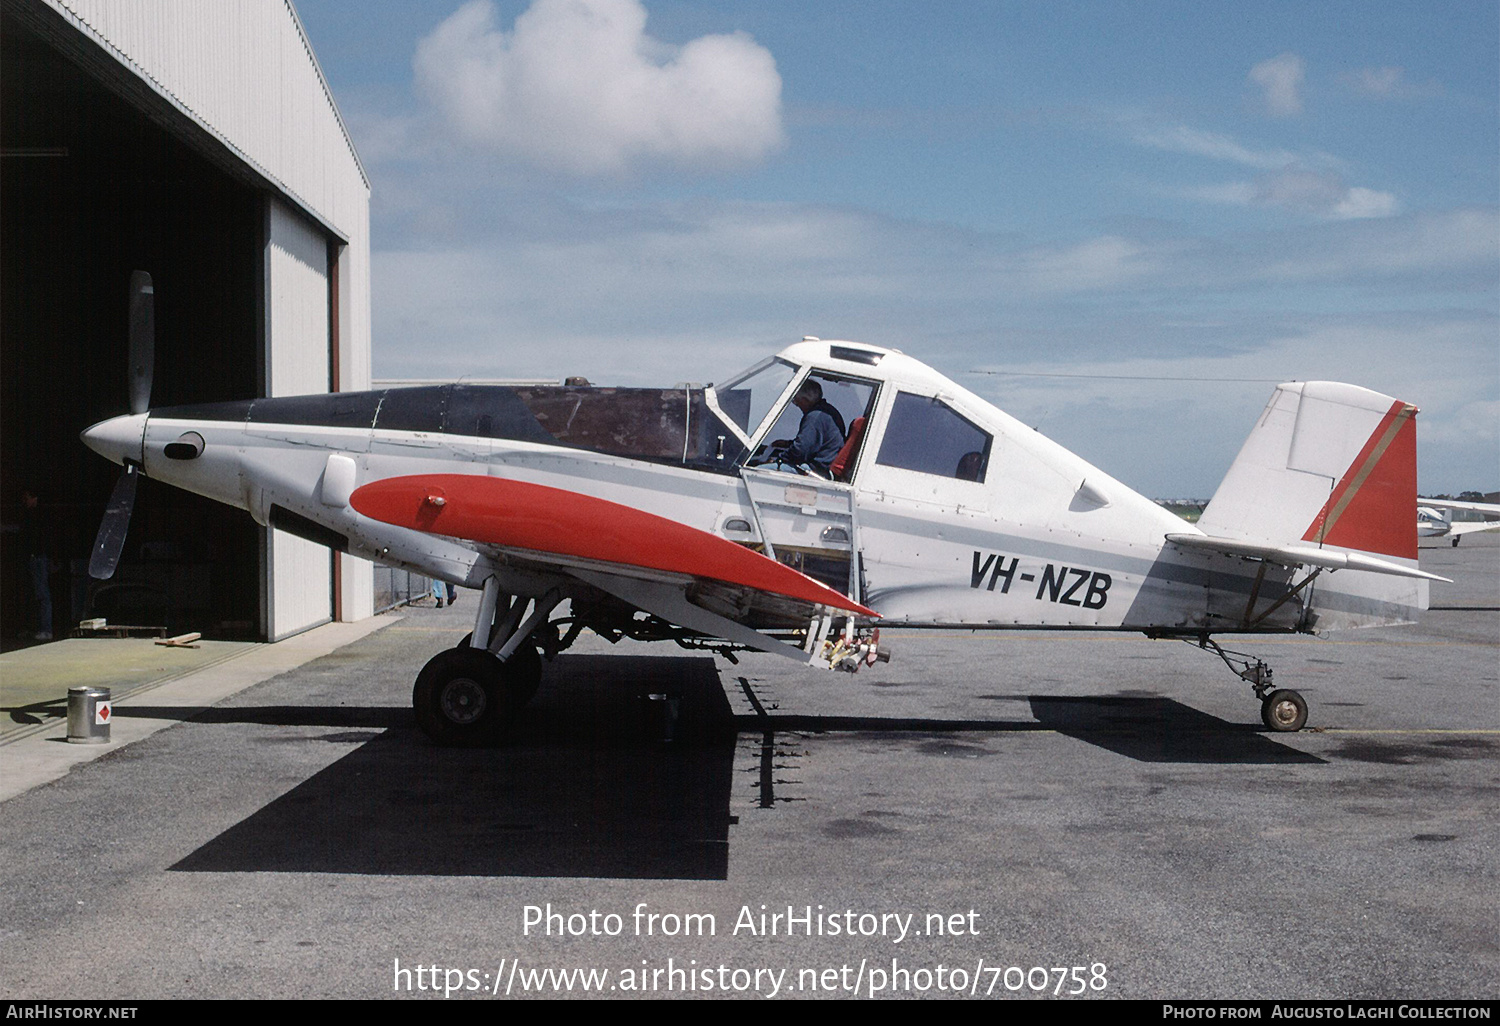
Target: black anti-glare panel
{"x": 412, "y": 409}
{"x": 491, "y": 411}
{"x": 339, "y": 409}
{"x": 234, "y": 412}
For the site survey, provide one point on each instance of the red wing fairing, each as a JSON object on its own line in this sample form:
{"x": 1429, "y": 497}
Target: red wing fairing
{"x": 537, "y": 519}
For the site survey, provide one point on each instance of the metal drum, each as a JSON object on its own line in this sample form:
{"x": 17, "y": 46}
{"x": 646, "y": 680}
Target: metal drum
{"x": 89, "y": 714}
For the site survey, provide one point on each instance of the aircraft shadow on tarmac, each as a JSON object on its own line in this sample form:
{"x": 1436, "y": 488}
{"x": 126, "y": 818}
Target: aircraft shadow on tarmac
{"x": 1144, "y": 728}
{"x": 588, "y": 786}
{"x": 1155, "y": 729}
{"x": 601, "y": 780}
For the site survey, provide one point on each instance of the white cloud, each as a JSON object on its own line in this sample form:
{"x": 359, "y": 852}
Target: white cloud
{"x": 1280, "y": 81}
{"x": 1215, "y": 145}
{"x": 1298, "y": 189}
{"x": 1323, "y": 194}
{"x": 1318, "y": 193}
{"x": 1378, "y": 81}
{"x": 1106, "y": 262}
{"x": 1218, "y": 146}
{"x": 1358, "y": 202}
{"x": 1389, "y": 83}
{"x": 1311, "y": 182}
{"x": 579, "y": 86}
{"x": 1451, "y": 248}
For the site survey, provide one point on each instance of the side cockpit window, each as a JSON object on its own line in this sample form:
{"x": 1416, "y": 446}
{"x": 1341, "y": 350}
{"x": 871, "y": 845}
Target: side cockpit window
{"x": 928, "y": 436}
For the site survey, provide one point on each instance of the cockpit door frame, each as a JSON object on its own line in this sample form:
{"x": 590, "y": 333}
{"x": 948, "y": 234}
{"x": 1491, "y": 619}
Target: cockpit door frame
{"x": 797, "y": 515}
{"x": 802, "y": 515}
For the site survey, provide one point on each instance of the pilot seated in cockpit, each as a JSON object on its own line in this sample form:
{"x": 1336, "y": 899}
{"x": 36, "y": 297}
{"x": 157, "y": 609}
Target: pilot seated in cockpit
{"x": 820, "y": 436}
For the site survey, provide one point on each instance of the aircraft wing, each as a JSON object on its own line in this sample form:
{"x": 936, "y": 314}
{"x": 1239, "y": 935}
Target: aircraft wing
{"x": 690, "y": 577}
{"x": 1489, "y": 509}
{"x": 1300, "y": 555}
{"x": 1460, "y": 527}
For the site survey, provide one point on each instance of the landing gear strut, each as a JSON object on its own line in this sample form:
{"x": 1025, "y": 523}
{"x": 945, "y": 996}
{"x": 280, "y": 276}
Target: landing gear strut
{"x": 1282, "y": 709}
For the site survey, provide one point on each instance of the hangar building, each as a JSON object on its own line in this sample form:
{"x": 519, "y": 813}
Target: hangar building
{"x": 198, "y": 142}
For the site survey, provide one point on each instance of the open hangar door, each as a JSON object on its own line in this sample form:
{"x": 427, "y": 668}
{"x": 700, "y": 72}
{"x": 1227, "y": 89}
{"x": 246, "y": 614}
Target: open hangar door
{"x": 92, "y": 187}
{"x": 298, "y": 308}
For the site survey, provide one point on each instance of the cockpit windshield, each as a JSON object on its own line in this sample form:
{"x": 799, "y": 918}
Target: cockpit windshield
{"x": 748, "y": 398}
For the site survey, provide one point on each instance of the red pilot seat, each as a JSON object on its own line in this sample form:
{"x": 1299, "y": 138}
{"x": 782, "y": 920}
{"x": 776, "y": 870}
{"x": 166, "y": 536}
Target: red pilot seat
{"x": 843, "y": 464}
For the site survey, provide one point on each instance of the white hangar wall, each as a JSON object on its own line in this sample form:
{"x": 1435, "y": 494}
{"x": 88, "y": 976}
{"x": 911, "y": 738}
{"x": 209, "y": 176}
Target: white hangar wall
{"x": 242, "y": 73}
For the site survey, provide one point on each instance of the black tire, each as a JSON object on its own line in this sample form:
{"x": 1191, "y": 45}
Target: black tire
{"x": 527, "y": 669}
{"x": 1284, "y": 711}
{"x": 524, "y": 670}
{"x": 466, "y": 697}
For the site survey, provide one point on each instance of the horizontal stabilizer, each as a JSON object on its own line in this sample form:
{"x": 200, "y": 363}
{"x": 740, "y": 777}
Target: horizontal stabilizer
{"x": 1301, "y": 555}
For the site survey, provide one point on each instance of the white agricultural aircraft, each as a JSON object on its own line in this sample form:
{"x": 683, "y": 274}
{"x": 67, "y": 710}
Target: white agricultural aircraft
{"x": 1435, "y": 518}
{"x": 664, "y": 514}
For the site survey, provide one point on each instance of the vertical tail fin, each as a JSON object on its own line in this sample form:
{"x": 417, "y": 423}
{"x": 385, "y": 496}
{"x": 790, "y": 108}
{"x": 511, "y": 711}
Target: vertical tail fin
{"x": 1327, "y": 463}
{"x": 1334, "y": 466}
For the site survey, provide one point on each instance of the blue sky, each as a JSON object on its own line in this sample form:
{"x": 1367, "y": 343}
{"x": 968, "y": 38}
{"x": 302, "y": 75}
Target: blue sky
{"x": 645, "y": 193}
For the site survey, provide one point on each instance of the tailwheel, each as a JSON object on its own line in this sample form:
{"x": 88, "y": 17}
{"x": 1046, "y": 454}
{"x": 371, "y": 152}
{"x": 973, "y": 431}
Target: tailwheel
{"x": 466, "y": 697}
{"x": 1281, "y": 710}
{"x": 1284, "y": 710}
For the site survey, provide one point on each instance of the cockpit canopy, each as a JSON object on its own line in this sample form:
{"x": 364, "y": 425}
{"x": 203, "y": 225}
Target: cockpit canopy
{"x": 714, "y": 428}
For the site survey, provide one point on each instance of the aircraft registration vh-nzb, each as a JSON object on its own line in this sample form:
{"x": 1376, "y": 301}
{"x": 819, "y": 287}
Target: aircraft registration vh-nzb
{"x": 674, "y": 515}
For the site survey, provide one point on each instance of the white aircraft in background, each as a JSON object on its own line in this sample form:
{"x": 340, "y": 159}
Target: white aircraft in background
{"x": 1435, "y": 518}
{"x": 671, "y": 515}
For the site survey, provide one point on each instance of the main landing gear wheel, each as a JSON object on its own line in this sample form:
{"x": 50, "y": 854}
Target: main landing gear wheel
{"x": 1284, "y": 710}
{"x": 466, "y": 697}
{"x": 528, "y": 667}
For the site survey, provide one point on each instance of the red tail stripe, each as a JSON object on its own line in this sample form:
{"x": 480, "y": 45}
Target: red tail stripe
{"x": 1369, "y": 508}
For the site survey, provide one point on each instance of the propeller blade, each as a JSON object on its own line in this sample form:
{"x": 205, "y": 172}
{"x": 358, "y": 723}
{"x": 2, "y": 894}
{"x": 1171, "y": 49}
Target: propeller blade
{"x": 142, "y": 340}
{"x": 110, "y": 540}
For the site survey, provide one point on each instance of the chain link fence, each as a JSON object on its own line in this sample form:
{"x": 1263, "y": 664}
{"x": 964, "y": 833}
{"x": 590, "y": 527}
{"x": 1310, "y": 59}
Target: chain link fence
{"x": 398, "y": 587}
